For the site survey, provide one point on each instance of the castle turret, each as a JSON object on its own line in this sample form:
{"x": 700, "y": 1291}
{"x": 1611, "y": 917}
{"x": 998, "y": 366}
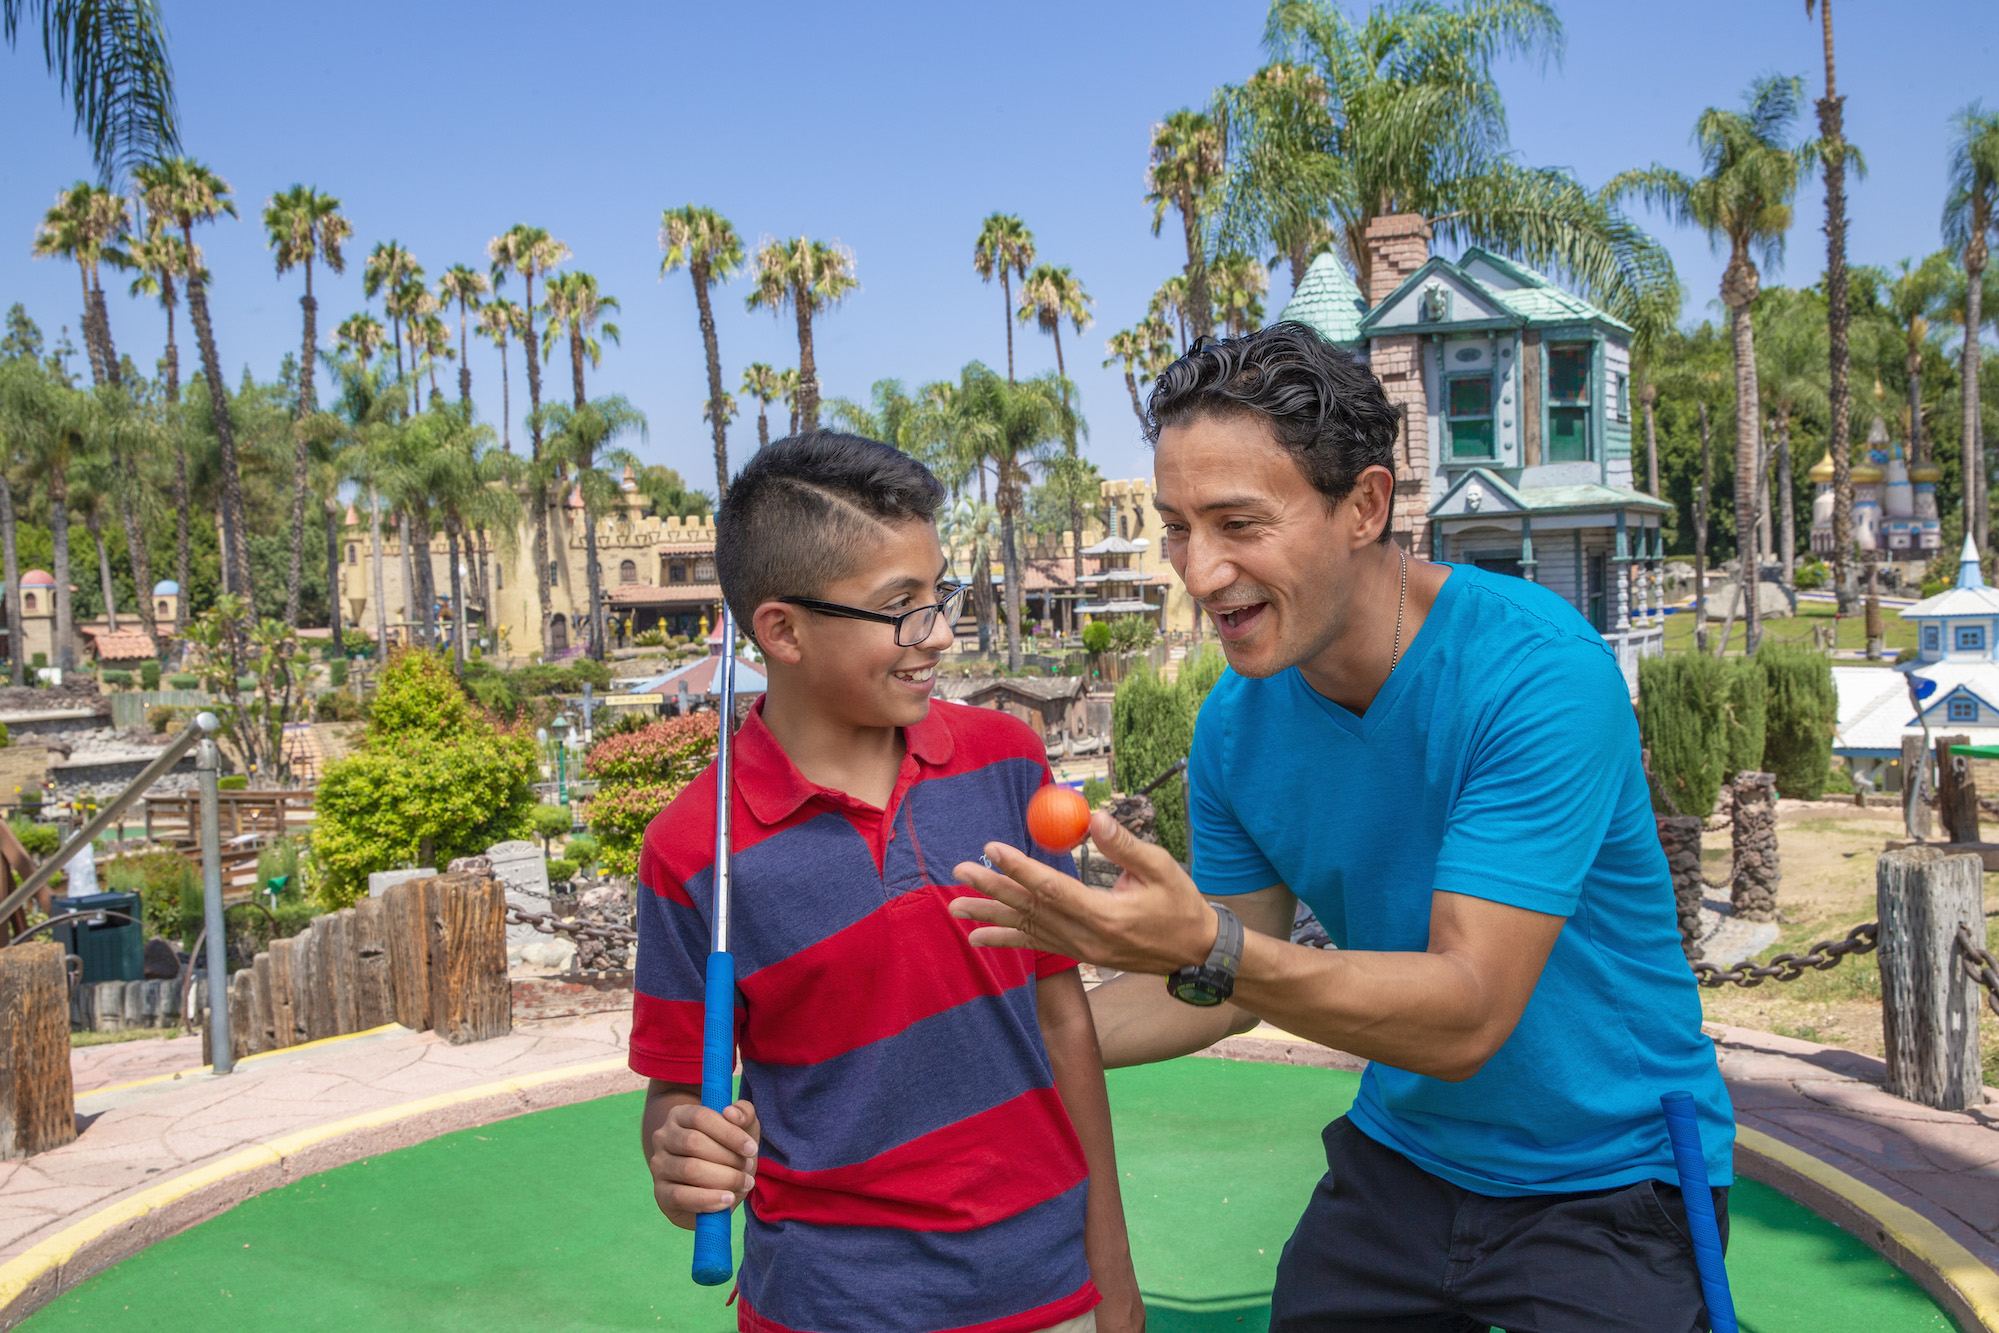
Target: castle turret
{"x": 1822, "y": 504}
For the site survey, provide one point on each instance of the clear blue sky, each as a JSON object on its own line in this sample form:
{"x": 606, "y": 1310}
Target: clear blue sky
{"x": 893, "y": 129}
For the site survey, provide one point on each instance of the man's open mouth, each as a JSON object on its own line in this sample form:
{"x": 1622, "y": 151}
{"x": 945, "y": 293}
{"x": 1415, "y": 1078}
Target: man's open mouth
{"x": 1238, "y": 620}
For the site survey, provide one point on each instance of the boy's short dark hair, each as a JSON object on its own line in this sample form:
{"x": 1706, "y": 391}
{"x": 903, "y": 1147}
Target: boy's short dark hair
{"x": 1325, "y": 407}
{"x": 797, "y": 517}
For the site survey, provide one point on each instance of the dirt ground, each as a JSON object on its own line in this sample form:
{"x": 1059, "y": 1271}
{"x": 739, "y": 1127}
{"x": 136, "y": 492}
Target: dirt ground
{"x": 1827, "y": 850}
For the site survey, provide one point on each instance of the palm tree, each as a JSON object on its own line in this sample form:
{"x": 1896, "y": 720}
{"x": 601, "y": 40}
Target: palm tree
{"x": 126, "y": 463}
{"x": 1049, "y": 295}
{"x": 1697, "y": 366}
{"x": 499, "y": 320}
{"x": 1400, "y": 112}
{"x": 1170, "y": 302}
{"x": 578, "y": 437}
{"x": 1237, "y": 282}
{"x": 530, "y": 251}
{"x": 188, "y": 192}
{"x": 704, "y": 243}
{"x": 160, "y": 258}
{"x": 110, "y": 57}
{"x": 49, "y": 425}
{"x": 1833, "y": 151}
{"x": 83, "y": 227}
{"x": 1005, "y": 248}
{"x": 369, "y": 412}
{"x": 467, "y": 286}
{"x": 390, "y": 271}
{"x": 1146, "y": 350}
{"x": 787, "y": 387}
{"x": 810, "y": 277}
{"x": 1743, "y": 198}
{"x": 302, "y": 225}
{"x": 575, "y": 306}
{"x": 1912, "y": 295}
{"x": 766, "y": 386}
{"x": 1189, "y": 150}
{"x": 1970, "y": 222}
{"x": 1791, "y": 373}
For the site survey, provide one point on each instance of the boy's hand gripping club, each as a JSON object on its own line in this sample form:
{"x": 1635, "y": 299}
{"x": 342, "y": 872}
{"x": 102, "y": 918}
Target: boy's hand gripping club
{"x": 714, "y": 1261}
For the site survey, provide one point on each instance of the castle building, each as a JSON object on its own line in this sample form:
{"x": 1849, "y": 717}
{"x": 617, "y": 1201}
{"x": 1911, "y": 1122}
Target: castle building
{"x": 1515, "y": 449}
{"x": 1894, "y": 502}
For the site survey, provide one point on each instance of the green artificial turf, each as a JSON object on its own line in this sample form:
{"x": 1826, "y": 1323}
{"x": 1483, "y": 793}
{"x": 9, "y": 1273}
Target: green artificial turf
{"x": 547, "y": 1222}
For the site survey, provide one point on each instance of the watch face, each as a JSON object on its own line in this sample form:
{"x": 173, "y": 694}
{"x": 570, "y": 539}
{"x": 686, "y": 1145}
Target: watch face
{"x": 1195, "y": 990}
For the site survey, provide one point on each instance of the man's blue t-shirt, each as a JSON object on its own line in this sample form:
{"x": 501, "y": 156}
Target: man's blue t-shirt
{"x": 1500, "y": 761}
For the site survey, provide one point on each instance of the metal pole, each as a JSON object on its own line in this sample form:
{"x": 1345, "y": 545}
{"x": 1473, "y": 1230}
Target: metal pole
{"x": 208, "y": 764}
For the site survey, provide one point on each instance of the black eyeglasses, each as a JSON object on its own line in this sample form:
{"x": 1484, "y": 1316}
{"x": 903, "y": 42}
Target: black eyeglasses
{"x": 911, "y": 627}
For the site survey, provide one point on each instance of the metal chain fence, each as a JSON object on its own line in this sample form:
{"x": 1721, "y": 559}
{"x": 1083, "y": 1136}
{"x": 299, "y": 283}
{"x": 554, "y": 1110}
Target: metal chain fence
{"x": 575, "y": 930}
{"x": 1980, "y": 965}
{"x": 1790, "y": 966}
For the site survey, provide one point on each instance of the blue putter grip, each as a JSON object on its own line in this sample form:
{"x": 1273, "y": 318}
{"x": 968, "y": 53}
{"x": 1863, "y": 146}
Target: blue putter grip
{"x": 714, "y": 1262}
{"x": 1684, "y": 1131}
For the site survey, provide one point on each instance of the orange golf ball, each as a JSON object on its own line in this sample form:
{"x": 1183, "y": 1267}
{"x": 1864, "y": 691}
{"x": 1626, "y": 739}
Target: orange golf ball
{"x": 1058, "y": 818}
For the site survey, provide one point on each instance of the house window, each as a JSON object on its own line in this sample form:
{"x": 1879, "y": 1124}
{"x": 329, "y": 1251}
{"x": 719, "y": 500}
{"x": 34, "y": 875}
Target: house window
{"x": 628, "y": 571}
{"x": 704, "y": 571}
{"x": 553, "y": 574}
{"x": 1470, "y": 416}
{"x": 27, "y": 601}
{"x": 1620, "y": 395}
{"x": 1599, "y": 592}
{"x": 677, "y": 572}
{"x": 499, "y": 577}
{"x": 1970, "y": 638}
{"x": 1932, "y": 638}
{"x": 353, "y": 554}
{"x": 1963, "y": 710}
{"x": 1568, "y": 403}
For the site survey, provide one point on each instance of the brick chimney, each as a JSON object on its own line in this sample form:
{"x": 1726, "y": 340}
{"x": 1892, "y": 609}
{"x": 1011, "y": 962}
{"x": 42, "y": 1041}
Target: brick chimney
{"x": 1397, "y": 245}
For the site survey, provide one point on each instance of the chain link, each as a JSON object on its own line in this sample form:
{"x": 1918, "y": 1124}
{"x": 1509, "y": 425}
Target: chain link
{"x": 1790, "y": 966}
{"x": 575, "y": 930}
{"x": 1979, "y": 965}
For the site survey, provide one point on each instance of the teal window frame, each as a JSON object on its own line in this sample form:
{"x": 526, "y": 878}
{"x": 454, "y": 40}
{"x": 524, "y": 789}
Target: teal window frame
{"x": 1962, "y": 710}
{"x": 1576, "y": 410}
{"x": 1932, "y": 638}
{"x": 1453, "y": 418}
{"x": 1969, "y": 639}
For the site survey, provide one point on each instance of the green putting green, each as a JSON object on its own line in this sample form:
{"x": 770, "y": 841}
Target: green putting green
{"x": 547, "y": 1222}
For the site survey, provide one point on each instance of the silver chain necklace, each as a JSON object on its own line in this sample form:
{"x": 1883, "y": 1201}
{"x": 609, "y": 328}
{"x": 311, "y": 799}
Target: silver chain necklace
{"x": 1401, "y": 606}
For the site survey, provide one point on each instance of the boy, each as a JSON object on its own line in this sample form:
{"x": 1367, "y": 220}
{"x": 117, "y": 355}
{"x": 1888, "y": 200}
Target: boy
{"x": 924, "y": 1139}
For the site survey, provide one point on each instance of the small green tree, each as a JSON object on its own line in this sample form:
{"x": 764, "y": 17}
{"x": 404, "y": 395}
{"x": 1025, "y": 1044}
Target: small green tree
{"x": 1747, "y": 708}
{"x": 1683, "y": 719}
{"x": 417, "y": 696}
{"x": 1152, "y": 726}
{"x": 1096, "y": 636}
{"x": 1803, "y": 709}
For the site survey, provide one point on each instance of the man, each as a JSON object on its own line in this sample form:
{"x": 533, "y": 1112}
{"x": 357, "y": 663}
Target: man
{"x": 1444, "y": 765}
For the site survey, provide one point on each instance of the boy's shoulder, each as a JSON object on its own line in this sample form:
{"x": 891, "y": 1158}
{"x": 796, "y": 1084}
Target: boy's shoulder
{"x": 975, "y": 736}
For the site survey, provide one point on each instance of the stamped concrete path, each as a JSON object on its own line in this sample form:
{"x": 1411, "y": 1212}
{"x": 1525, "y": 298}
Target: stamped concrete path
{"x": 165, "y": 1144}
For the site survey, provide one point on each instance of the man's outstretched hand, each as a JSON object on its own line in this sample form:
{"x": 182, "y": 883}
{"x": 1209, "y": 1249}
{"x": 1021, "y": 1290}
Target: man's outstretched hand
{"x": 1152, "y": 920}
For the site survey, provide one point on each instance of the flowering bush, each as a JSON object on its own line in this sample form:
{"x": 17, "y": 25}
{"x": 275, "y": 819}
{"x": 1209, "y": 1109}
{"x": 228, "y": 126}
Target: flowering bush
{"x": 618, "y": 816}
{"x": 672, "y": 750}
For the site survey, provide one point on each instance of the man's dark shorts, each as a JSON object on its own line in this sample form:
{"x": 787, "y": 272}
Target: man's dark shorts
{"x": 1386, "y": 1246}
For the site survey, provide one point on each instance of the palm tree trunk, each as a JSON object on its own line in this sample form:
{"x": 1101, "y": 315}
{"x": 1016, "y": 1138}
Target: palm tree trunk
{"x": 59, "y": 533}
{"x": 1784, "y": 498}
{"x": 1010, "y": 574}
{"x": 1975, "y": 504}
{"x": 1839, "y": 397}
{"x": 576, "y": 363}
{"x": 1131, "y": 387}
{"x": 808, "y": 368}
{"x": 141, "y": 561}
{"x": 1915, "y": 369}
{"x": 1703, "y": 505}
{"x": 307, "y": 400}
{"x": 10, "y": 568}
{"x": 506, "y": 402}
{"x": 426, "y": 576}
{"x": 104, "y": 344}
{"x": 464, "y": 360}
{"x": 1201, "y": 319}
{"x": 698, "y": 270}
{"x": 235, "y": 535}
{"x": 982, "y": 593}
{"x": 412, "y": 594}
{"x": 1006, "y": 315}
{"x": 381, "y": 587}
{"x": 95, "y": 525}
{"x": 763, "y": 424}
{"x": 331, "y": 510}
{"x": 1648, "y": 397}
{"x": 457, "y": 597}
{"x": 540, "y": 500}
{"x": 1748, "y": 471}
{"x": 183, "y": 547}
{"x": 594, "y": 582}
{"x": 485, "y": 587}
{"x": 89, "y": 322}
{"x": 1075, "y": 500}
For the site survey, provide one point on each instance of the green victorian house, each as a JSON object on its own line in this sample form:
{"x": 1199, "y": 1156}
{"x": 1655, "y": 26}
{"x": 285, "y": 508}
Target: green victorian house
{"x": 1515, "y": 453}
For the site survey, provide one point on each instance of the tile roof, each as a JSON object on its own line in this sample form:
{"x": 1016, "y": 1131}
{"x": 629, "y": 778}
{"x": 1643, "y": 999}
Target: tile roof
{"x": 651, "y": 594}
{"x": 700, "y": 677}
{"x": 1043, "y": 688}
{"x": 126, "y": 645}
{"x": 1328, "y": 300}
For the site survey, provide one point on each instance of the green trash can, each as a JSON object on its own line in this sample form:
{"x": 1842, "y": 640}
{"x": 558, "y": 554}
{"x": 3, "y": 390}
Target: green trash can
{"x": 113, "y": 951}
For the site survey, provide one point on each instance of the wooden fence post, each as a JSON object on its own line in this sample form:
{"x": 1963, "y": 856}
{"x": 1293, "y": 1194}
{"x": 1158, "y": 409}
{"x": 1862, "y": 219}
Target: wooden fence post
{"x": 284, "y": 1014}
{"x": 1929, "y": 1006}
{"x": 478, "y": 1000}
{"x": 1950, "y": 795}
{"x": 1913, "y": 763}
{"x": 406, "y": 933}
{"x": 374, "y": 1004}
{"x": 37, "y": 1099}
{"x": 260, "y": 967}
{"x": 342, "y": 959}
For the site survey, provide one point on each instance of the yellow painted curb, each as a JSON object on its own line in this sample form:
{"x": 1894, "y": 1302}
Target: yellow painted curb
{"x": 21, "y": 1272}
{"x": 1905, "y": 1237}
{"x": 248, "y": 1059}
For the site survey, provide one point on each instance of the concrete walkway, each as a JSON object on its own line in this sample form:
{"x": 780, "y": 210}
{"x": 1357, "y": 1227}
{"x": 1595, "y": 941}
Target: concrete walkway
{"x": 165, "y": 1144}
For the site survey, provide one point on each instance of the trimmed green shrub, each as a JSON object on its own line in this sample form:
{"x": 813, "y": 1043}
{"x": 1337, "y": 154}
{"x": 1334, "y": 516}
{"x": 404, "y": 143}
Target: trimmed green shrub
{"x": 114, "y": 676}
{"x": 1096, "y": 636}
{"x": 1152, "y": 724}
{"x": 1803, "y": 709}
{"x": 40, "y": 840}
{"x": 5, "y": 739}
{"x": 1096, "y": 791}
{"x": 336, "y": 672}
{"x": 1683, "y": 719}
{"x": 168, "y": 883}
{"x": 149, "y": 675}
{"x": 549, "y": 821}
{"x": 561, "y": 871}
{"x": 1743, "y": 750}
{"x": 233, "y": 782}
{"x": 184, "y": 680}
{"x": 1199, "y": 673}
{"x": 418, "y": 697}
{"x": 582, "y": 849}
{"x": 160, "y": 717}
{"x": 39, "y": 660}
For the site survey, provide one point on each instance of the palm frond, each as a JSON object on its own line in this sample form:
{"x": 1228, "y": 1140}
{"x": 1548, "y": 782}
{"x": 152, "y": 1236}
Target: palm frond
{"x": 110, "y": 57}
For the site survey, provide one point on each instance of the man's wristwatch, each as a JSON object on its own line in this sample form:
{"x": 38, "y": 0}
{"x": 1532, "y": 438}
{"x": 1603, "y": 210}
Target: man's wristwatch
{"x": 1214, "y": 980}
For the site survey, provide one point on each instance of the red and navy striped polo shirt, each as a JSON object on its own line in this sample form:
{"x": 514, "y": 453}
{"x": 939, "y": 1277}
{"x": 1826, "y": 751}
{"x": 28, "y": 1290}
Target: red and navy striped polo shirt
{"x": 918, "y": 1171}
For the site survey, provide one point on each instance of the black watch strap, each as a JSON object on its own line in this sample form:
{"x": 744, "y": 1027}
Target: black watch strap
{"x": 1214, "y": 980}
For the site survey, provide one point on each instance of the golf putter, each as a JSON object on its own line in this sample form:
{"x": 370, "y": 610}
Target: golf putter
{"x": 1684, "y": 1133}
{"x": 714, "y": 1261}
